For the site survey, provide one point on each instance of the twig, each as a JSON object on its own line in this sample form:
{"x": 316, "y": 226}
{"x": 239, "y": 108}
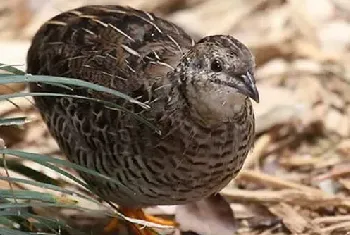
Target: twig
{"x": 291, "y": 196}
{"x": 332, "y": 219}
{"x": 274, "y": 181}
{"x": 344, "y": 225}
{"x": 258, "y": 150}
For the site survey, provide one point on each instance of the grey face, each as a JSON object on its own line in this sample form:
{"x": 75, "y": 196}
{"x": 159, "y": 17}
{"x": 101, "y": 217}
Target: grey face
{"x": 221, "y": 63}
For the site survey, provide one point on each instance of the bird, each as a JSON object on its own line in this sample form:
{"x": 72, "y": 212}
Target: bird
{"x": 198, "y": 96}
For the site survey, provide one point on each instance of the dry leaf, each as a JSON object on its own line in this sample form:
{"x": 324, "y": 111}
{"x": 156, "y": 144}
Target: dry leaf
{"x": 210, "y": 216}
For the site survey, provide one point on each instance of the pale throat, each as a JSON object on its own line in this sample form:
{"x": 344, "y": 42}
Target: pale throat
{"x": 220, "y": 106}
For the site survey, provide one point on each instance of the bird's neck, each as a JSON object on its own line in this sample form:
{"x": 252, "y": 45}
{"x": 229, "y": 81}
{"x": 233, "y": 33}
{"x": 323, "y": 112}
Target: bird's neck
{"x": 212, "y": 109}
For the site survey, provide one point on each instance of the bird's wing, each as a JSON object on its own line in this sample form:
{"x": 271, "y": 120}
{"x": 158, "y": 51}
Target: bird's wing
{"x": 120, "y": 48}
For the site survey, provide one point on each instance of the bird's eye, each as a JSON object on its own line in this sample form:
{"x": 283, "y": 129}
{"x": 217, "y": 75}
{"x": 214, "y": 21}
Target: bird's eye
{"x": 216, "y": 66}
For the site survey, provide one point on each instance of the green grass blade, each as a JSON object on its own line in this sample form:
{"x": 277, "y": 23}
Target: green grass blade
{"x": 45, "y": 159}
{"x": 22, "y": 205}
{"x": 13, "y": 121}
{"x": 14, "y": 71}
{"x": 92, "y": 211}
{"x": 60, "y": 171}
{"x": 5, "y": 221}
{"x": 11, "y": 69}
{"x": 48, "y": 186}
{"x": 106, "y": 103}
{"x": 5, "y": 78}
{"x": 39, "y": 204}
{"x": 42, "y": 222}
{"x": 27, "y": 194}
{"x": 26, "y": 205}
{"x": 8, "y": 231}
{"x": 17, "y": 166}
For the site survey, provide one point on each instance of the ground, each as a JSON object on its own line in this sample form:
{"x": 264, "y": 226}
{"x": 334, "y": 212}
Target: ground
{"x": 296, "y": 179}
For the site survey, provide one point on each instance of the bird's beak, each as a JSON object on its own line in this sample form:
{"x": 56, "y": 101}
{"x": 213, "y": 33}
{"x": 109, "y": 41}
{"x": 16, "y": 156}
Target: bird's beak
{"x": 249, "y": 88}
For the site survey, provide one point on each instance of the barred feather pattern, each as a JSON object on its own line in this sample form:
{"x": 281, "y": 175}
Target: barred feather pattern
{"x": 138, "y": 54}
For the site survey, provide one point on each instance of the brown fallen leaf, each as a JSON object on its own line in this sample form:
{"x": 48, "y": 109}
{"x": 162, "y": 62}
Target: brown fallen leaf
{"x": 207, "y": 217}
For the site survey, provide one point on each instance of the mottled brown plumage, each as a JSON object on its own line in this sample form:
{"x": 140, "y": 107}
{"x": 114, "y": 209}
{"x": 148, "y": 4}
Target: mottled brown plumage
{"x": 198, "y": 95}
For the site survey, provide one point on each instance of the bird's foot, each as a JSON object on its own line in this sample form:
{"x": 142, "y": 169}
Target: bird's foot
{"x": 140, "y": 215}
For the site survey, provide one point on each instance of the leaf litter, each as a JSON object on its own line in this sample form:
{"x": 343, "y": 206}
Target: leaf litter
{"x": 296, "y": 179}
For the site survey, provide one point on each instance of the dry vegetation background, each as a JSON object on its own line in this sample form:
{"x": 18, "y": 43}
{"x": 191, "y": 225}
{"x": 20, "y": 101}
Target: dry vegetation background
{"x": 297, "y": 178}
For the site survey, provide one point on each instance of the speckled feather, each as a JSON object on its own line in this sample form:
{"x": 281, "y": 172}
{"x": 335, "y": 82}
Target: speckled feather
{"x": 139, "y": 54}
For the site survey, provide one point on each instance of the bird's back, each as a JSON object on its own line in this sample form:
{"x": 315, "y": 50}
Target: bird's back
{"x": 121, "y": 48}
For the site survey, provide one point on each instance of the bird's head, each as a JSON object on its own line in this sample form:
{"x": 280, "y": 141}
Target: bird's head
{"x": 216, "y": 76}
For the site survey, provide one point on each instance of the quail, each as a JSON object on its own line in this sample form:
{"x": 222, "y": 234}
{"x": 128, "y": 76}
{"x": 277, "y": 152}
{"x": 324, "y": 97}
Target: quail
{"x": 198, "y": 95}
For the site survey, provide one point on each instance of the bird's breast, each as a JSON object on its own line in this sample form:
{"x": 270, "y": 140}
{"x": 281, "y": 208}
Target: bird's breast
{"x": 190, "y": 162}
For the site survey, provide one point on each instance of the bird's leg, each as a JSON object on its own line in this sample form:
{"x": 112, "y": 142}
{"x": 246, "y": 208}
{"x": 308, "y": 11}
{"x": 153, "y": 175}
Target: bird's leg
{"x": 140, "y": 215}
{"x": 111, "y": 226}
{"x": 157, "y": 220}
